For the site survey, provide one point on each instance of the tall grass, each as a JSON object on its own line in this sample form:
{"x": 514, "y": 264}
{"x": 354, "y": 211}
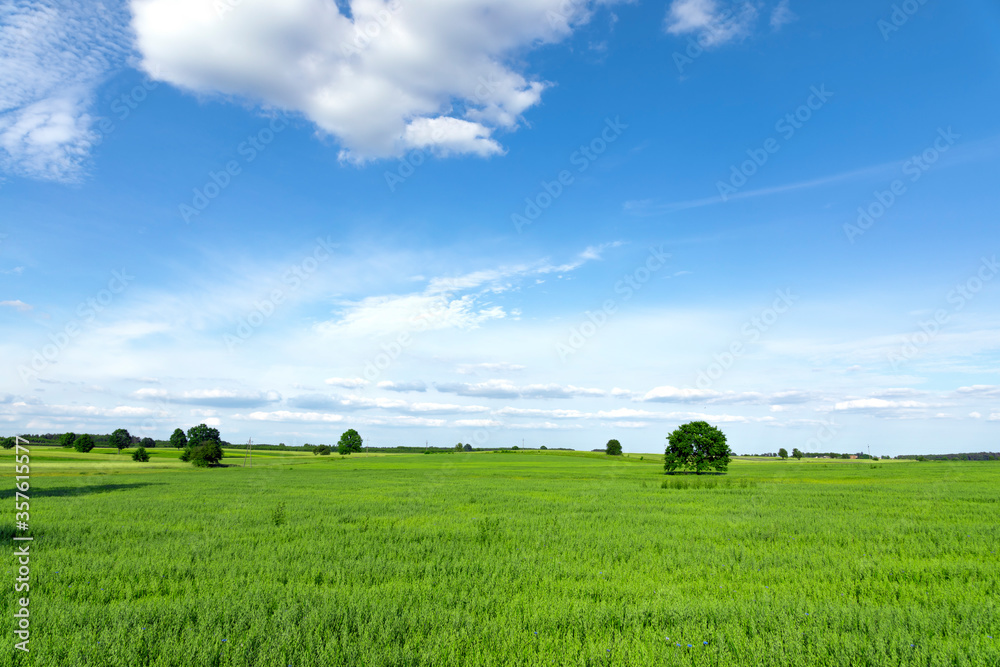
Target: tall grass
{"x": 476, "y": 559}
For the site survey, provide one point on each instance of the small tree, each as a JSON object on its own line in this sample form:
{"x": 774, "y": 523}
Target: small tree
{"x": 7, "y": 443}
{"x": 66, "y": 439}
{"x": 783, "y": 453}
{"x": 178, "y": 439}
{"x": 322, "y": 450}
{"x": 543, "y": 447}
{"x": 613, "y": 448}
{"x": 796, "y": 453}
{"x": 467, "y": 447}
{"x": 148, "y": 443}
{"x": 459, "y": 447}
{"x": 697, "y": 446}
{"x": 83, "y": 443}
{"x": 349, "y": 442}
{"x": 120, "y": 439}
{"x": 140, "y": 454}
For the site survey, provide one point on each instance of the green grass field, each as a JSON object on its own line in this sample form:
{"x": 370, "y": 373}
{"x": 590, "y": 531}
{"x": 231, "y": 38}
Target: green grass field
{"x": 529, "y": 558}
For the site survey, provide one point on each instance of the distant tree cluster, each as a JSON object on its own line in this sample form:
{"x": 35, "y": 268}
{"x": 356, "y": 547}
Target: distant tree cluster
{"x": 972, "y": 456}
{"x": 83, "y": 443}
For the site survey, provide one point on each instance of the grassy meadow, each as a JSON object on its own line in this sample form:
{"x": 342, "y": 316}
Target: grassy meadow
{"x": 520, "y": 558}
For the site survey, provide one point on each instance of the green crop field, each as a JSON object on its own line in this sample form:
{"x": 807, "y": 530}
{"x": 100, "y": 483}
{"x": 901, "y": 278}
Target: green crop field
{"x": 526, "y": 558}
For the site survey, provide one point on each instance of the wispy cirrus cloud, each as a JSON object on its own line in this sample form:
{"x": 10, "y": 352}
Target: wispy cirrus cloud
{"x": 53, "y": 56}
{"x": 713, "y": 24}
{"x": 461, "y": 302}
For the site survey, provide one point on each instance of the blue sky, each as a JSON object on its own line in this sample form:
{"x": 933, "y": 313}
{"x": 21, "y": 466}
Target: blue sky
{"x": 485, "y": 222}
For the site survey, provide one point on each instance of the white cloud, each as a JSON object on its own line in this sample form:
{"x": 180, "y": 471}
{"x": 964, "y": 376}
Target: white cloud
{"x": 505, "y": 389}
{"x": 52, "y": 58}
{"x": 286, "y": 416}
{"x": 537, "y": 412}
{"x": 877, "y": 404}
{"x": 17, "y": 304}
{"x": 415, "y": 385}
{"x": 347, "y": 383}
{"x": 432, "y": 75}
{"x": 618, "y": 392}
{"x": 713, "y": 25}
{"x": 781, "y": 15}
{"x": 668, "y": 394}
{"x": 978, "y": 391}
{"x": 223, "y": 398}
{"x": 975, "y": 415}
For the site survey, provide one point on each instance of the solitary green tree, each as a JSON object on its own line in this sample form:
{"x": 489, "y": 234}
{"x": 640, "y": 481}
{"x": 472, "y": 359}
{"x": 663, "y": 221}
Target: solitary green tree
{"x": 459, "y": 447}
{"x": 467, "y": 447}
{"x": 613, "y": 448}
{"x": 697, "y": 446}
{"x": 121, "y": 439}
{"x": 796, "y": 453}
{"x": 178, "y": 439}
{"x": 349, "y": 442}
{"x": 66, "y": 439}
{"x": 140, "y": 454}
{"x": 83, "y": 443}
{"x": 783, "y": 453}
{"x": 8, "y": 443}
